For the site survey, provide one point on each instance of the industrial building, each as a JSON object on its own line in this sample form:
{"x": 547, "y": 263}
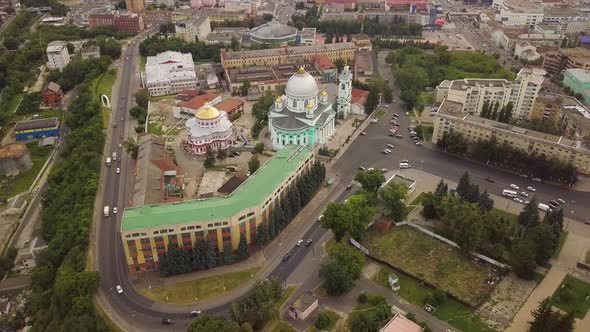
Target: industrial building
{"x": 147, "y": 230}
{"x": 39, "y": 128}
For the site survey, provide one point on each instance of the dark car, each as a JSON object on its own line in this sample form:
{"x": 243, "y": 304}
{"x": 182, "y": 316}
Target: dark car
{"x": 308, "y": 242}
{"x": 167, "y": 321}
{"x": 489, "y": 179}
{"x": 286, "y": 256}
{"x": 195, "y": 313}
{"x": 349, "y": 186}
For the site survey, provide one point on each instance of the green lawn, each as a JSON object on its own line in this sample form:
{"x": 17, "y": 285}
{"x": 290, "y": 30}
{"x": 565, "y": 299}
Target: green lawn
{"x": 334, "y": 318}
{"x": 14, "y": 103}
{"x": 142, "y": 62}
{"x": 572, "y": 295}
{"x": 426, "y": 98}
{"x": 418, "y": 199}
{"x": 199, "y": 290}
{"x": 511, "y": 216}
{"x": 24, "y": 180}
{"x": 283, "y": 326}
{"x": 430, "y": 260}
{"x": 380, "y": 113}
{"x": 562, "y": 238}
{"x": 155, "y": 129}
{"x": 103, "y": 85}
{"x": 50, "y": 113}
{"x": 451, "y": 311}
{"x": 427, "y": 131}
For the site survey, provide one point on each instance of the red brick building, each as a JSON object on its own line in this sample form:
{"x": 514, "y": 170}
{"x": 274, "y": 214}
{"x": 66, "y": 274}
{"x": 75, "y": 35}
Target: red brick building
{"x": 52, "y": 94}
{"x": 96, "y": 20}
{"x": 129, "y": 23}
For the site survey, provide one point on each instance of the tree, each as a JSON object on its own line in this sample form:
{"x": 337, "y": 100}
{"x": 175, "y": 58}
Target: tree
{"x": 209, "y": 161}
{"x": 253, "y": 164}
{"x": 300, "y": 5}
{"x": 351, "y": 217}
{"x": 464, "y": 185}
{"x": 371, "y": 181}
{"x": 322, "y": 322}
{"x": 244, "y": 88}
{"x": 541, "y": 316}
{"x": 543, "y": 238}
{"x": 131, "y": 147}
{"x": 228, "y": 255}
{"x": 339, "y": 63}
{"x": 529, "y": 216}
{"x": 429, "y": 206}
{"x": 387, "y": 94}
{"x": 243, "y": 251}
{"x": 121, "y": 5}
{"x": 336, "y": 220}
{"x": 221, "y": 155}
{"x": 523, "y": 258}
{"x": 442, "y": 189}
{"x": 11, "y": 43}
{"x": 394, "y": 195}
{"x": 207, "y": 323}
{"x": 142, "y": 97}
{"x": 261, "y": 235}
{"x": 210, "y": 256}
{"x": 484, "y": 201}
{"x": 30, "y": 103}
{"x": 259, "y": 147}
{"x": 342, "y": 270}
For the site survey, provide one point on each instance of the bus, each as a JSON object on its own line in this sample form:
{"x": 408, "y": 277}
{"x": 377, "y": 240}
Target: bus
{"x": 509, "y": 193}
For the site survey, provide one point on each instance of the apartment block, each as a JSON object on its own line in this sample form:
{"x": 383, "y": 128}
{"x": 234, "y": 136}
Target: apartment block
{"x": 471, "y": 94}
{"x": 556, "y": 61}
{"x": 168, "y": 73}
{"x": 518, "y": 13}
{"x": 147, "y": 230}
{"x": 135, "y": 5}
{"x": 474, "y": 128}
{"x": 193, "y": 29}
{"x": 57, "y": 55}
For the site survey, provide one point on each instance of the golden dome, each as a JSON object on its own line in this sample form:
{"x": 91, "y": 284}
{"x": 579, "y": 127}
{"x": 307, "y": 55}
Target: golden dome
{"x": 324, "y": 93}
{"x": 310, "y": 106}
{"x": 278, "y": 100}
{"x": 301, "y": 70}
{"x": 207, "y": 112}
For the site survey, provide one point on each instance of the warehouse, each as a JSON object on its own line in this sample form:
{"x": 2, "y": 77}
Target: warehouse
{"x": 40, "y": 128}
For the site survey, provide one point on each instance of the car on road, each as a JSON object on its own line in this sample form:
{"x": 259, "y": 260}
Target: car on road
{"x": 308, "y": 242}
{"x": 529, "y": 188}
{"x": 195, "y": 313}
{"x": 513, "y": 186}
{"x": 320, "y": 218}
{"x": 119, "y": 289}
{"x": 399, "y": 136}
{"x": 418, "y": 143}
{"x": 374, "y": 120}
{"x": 390, "y": 146}
{"x": 120, "y": 145}
{"x": 526, "y": 202}
{"x": 362, "y": 168}
{"x": 391, "y": 133}
{"x": 523, "y": 176}
{"x": 384, "y": 170}
{"x": 395, "y": 115}
{"x": 404, "y": 161}
{"x": 536, "y": 179}
{"x": 561, "y": 201}
{"x": 363, "y": 133}
{"x": 489, "y": 179}
{"x": 287, "y": 255}
{"x": 407, "y": 113}
{"x": 115, "y": 210}
{"x": 370, "y": 169}
{"x": 118, "y": 170}
{"x": 516, "y": 199}
{"x": 167, "y": 321}
{"x": 587, "y": 222}
{"x": 524, "y": 193}
{"x": 126, "y": 58}
{"x": 299, "y": 243}
{"x": 349, "y": 186}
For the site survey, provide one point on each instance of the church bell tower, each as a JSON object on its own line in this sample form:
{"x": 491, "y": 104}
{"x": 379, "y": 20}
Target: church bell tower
{"x": 344, "y": 92}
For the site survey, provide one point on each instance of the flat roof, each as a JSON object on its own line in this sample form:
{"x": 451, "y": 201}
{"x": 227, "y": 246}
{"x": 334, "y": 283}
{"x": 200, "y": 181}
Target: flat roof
{"x": 36, "y": 124}
{"x": 580, "y": 74}
{"x": 304, "y": 301}
{"x": 250, "y": 194}
{"x": 399, "y": 323}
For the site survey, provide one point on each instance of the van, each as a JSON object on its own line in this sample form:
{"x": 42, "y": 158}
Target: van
{"x": 114, "y": 156}
{"x": 404, "y": 165}
{"x": 108, "y": 162}
{"x": 544, "y": 207}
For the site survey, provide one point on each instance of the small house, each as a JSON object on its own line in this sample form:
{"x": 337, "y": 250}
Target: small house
{"x": 52, "y": 94}
{"x": 303, "y": 306}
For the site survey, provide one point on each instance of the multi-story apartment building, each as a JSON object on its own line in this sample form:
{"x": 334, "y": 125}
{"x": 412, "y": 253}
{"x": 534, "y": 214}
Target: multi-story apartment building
{"x": 474, "y": 128}
{"x": 567, "y": 20}
{"x": 578, "y": 80}
{"x": 57, "y": 55}
{"x": 135, "y": 5}
{"x": 286, "y": 55}
{"x": 131, "y": 23}
{"x": 191, "y": 29}
{"x": 471, "y": 94}
{"x": 95, "y": 20}
{"x": 555, "y": 62}
{"x": 518, "y": 13}
{"x": 169, "y": 72}
{"x": 147, "y": 230}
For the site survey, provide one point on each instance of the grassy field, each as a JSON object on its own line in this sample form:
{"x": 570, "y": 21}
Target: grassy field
{"x": 451, "y": 311}
{"x": 427, "y": 131}
{"x": 572, "y": 295}
{"x": 155, "y": 129}
{"x": 426, "y": 98}
{"x": 142, "y": 62}
{"x": 24, "y": 180}
{"x": 511, "y": 216}
{"x": 199, "y": 290}
{"x": 430, "y": 260}
{"x": 380, "y": 113}
{"x": 14, "y": 103}
{"x": 103, "y": 85}
{"x": 418, "y": 199}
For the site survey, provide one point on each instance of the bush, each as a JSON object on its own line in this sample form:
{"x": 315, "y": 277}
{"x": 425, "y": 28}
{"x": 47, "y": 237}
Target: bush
{"x": 363, "y": 298}
{"x": 322, "y": 322}
{"x": 437, "y": 298}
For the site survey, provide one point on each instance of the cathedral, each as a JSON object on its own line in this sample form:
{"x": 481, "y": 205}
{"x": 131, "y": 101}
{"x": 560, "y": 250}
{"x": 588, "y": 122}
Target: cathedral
{"x": 304, "y": 115}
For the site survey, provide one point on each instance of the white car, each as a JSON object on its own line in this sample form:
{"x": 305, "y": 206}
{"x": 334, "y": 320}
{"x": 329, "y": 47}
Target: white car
{"x": 120, "y": 145}
{"x": 523, "y": 193}
{"x": 418, "y": 143}
{"x": 362, "y": 168}
{"x": 118, "y": 170}
{"x": 513, "y": 186}
{"x": 516, "y": 199}
{"x": 529, "y": 188}
{"x": 299, "y": 243}
{"x": 370, "y": 169}
{"x": 115, "y": 210}
{"x": 119, "y": 289}
{"x": 320, "y": 218}
{"x": 384, "y": 170}
{"x": 561, "y": 201}
{"x": 374, "y": 120}
{"x": 390, "y": 146}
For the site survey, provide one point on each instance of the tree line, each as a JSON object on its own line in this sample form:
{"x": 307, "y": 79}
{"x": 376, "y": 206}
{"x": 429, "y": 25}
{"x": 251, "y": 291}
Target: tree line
{"x": 394, "y": 44}
{"x": 505, "y": 155}
{"x": 200, "y": 51}
{"x": 492, "y": 111}
{"x": 62, "y": 288}
{"x": 260, "y": 111}
{"x": 371, "y": 28}
{"x": 202, "y": 257}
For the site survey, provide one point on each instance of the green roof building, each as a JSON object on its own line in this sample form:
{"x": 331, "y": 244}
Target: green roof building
{"x": 578, "y": 80}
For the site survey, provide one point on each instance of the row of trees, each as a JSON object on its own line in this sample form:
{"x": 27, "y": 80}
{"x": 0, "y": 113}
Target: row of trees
{"x": 394, "y": 44}
{"x": 505, "y": 155}
{"x": 371, "y": 28}
{"x": 260, "y": 111}
{"x": 342, "y": 270}
{"x": 79, "y": 70}
{"x": 310, "y": 19}
{"x": 260, "y": 306}
{"x": 62, "y": 287}
{"x": 203, "y": 256}
{"x": 492, "y": 111}
{"x": 199, "y": 50}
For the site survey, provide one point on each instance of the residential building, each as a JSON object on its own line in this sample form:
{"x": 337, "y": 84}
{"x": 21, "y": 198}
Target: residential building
{"x": 340, "y": 5}
{"x": 326, "y": 68}
{"x": 566, "y": 19}
{"x": 131, "y": 23}
{"x": 363, "y": 67}
{"x": 209, "y": 129}
{"x": 518, "y": 13}
{"x": 472, "y": 93}
{"x": 193, "y": 29}
{"x": 40, "y": 128}
{"x": 526, "y": 51}
{"x": 157, "y": 178}
{"x": 556, "y": 61}
{"x": 96, "y": 20}
{"x": 168, "y": 73}
{"x": 90, "y": 52}
{"x": 57, "y": 55}
{"x": 306, "y": 36}
{"x": 286, "y": 55}
{"x": 135, "y": 5}
{"x": 222, "y": 15}
{"x": 304, "y": 306}
{"x": 147, "y": 230}
{"x": 399, "y": 323}
{"x": 52, "y": 94}
{"x": 473, "y": 128}
{"x": 578, "y": 80}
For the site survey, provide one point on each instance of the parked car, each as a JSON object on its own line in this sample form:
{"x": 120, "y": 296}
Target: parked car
{"x": 523, "y": 193}
{"x": 286, "y": 256}
{"x": 529, "y": 188}
{"x": 523, "y": 176}
{"x": 536, "y": 179}
{"x": 561, "y": 201}
{"x": 308, "y": 242}
{"x": 299, "y": 243}
{"x": 119, "y": 289}
{"x": 349, "y": 186}
{"x": 374, "y": 120}
{"x": 115, "y": 210}
{"x": 167, "y": 321}
{"x": 362, "y": 168}
{"x": 195, "y": 313}
{"x": 418, "y": 143}
{"x": 383, "y": 170}
{"x": 320, "y": 218}
{"x": 390, "y": 146}
{"x": 489, "y": 179}
{"x": 399, "y": 136}
{"x": 513, "y": 186}
{"x": 363, "y": 133}
{"x": 516, "y": 199}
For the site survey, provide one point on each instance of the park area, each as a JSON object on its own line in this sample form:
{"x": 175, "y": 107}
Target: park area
{"x": 432, "y": 261}
{"x": 573, "y": 295}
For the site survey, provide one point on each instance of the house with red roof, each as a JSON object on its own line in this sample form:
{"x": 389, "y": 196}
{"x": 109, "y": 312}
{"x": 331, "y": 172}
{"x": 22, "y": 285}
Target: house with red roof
{"x": 52, "y": 93}
{"x": 325, "y": 67}
{"x": 195, "y": 103}
{"x": 358, "y": 100}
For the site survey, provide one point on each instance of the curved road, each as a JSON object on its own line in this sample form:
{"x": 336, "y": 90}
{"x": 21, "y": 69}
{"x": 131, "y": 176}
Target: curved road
{"x": 141, "y": 314}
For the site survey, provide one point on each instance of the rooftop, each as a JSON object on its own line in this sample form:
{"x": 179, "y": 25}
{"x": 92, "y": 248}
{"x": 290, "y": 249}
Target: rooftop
{"x": 36, "y": 124}
{"x": 198, "y": 101}
{"x": 289, "y": 50}
{"x": 168, "y": 66}
{"x": 11, "y": 151}
{"x": 304, "y": 301}
{"x": 580, "y": 74}
{"x": 272, "y": 30}
{"x": 399, "y": 323}
{"x": 250, "y": 194}
{"x": 55, "y": 46}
